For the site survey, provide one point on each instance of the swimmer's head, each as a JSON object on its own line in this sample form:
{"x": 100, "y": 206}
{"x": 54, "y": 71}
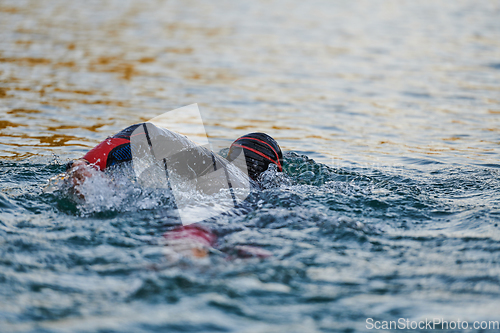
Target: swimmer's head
{"x": 260, "y": 150}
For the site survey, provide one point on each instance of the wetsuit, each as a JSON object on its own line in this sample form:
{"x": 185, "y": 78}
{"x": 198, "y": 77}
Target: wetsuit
{"x": 259, "y": 150}
{"x": 192, "y": 161}
{"x": 182, "y": 156}
{"x": 112, "y": 151}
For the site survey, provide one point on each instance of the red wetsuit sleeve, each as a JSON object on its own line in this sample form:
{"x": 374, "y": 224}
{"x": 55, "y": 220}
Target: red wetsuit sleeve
{"x": 99, "y": 154}
{"x": 193, "y": 234}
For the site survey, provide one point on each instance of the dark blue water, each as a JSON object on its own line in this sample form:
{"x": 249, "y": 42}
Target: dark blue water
{"x": 389, "y": 206}
{"x": 347, "y": 244}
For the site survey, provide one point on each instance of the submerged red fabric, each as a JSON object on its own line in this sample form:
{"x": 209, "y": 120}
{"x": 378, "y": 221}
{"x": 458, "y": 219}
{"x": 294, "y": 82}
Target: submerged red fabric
{"x": 194, "y": 233}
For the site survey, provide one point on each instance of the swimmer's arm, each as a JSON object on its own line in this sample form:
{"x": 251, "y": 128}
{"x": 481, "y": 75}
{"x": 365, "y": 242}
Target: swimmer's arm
{"x": 197, "y": 241}
{"x": 78, "y": 170}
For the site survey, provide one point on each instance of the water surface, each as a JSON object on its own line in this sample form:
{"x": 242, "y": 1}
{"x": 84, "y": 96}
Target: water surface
{"x": 389, "y": 112}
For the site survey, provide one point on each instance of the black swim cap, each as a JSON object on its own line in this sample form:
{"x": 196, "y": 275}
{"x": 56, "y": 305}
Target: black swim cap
{"x": 260, "y": 150}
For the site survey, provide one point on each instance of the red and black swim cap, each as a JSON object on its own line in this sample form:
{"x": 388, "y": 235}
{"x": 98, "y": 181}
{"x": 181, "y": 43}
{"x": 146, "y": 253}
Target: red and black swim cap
{"x": 260, "y": 150}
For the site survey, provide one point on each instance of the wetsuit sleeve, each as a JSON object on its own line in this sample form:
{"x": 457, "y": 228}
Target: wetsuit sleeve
{"x": 113, "y": 150}
{"x": 194, "y": 236}
{"x": 104, "y": 154}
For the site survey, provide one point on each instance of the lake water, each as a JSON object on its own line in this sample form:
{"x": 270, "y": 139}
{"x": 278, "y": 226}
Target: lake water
{"x": 389, "y": 113}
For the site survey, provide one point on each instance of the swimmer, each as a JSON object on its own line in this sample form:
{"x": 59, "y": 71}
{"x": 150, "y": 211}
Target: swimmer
{"x": 259, "y": 149}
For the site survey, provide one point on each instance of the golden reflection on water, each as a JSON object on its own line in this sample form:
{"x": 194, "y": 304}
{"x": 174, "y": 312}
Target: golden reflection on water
{"x": 328, "y": 78}
{"x": 53, "y": 140}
